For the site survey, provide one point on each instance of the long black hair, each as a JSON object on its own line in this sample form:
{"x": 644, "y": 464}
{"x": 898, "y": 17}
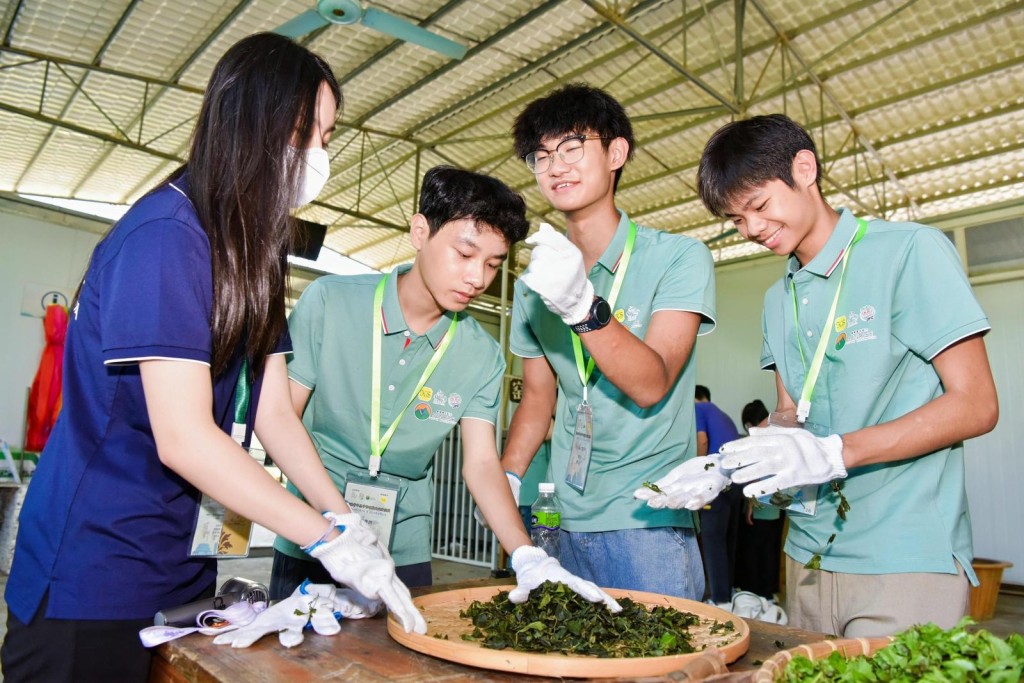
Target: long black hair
{"x": 261, "y": 97}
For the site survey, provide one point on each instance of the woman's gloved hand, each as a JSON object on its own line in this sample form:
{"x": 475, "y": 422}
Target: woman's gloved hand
{"x": 357, "y": 559}
{"x": 310, "y": 603}
{"x": 533, "y": 567}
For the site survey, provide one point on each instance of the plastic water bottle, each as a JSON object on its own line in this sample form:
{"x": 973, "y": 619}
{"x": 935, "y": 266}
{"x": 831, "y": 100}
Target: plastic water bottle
{"x": 546, "y": 520}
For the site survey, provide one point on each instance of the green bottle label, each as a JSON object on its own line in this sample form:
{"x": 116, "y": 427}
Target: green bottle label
{"x": 547, "y": 520}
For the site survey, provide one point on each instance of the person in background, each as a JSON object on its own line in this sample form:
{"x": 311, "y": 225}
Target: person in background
{"x": 876, "y": 342}
{"x": 759, "y": 543}
{"x": 605, "y": 320}
{"x": 176, "y": 340}
{"x": 719, "y": 519}
{"x": 377, "y": 435}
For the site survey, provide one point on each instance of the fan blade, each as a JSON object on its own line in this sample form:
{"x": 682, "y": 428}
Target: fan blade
{"x": 307, "y": 22}
{"x": 382, "y": 21}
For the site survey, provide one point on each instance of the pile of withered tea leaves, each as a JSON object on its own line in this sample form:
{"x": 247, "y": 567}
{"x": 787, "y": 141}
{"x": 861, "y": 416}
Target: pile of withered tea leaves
{"x": 556, "y": 619}
{"x": 923, "y": 653}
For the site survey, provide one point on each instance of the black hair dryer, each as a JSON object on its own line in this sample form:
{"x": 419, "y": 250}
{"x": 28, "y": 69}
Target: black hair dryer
{"x": 233, "y": 591}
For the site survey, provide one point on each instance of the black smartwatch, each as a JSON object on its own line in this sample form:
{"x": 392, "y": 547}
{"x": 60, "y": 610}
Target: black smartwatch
{"x": 600, "y": 315}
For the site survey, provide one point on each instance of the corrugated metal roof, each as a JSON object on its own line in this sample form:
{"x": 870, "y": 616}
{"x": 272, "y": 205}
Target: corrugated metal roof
{"x": 917, "y": 105}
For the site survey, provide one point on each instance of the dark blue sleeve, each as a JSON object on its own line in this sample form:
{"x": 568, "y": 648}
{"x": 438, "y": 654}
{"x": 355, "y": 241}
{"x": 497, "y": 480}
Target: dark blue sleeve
{"x": 156, "y": 293}
{"x": 701, "y": 417}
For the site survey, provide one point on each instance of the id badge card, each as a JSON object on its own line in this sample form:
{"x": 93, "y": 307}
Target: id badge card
{"x": 582, "y": 444}
{"x": 219, "y": 532}
{"x": 376, "y": 501}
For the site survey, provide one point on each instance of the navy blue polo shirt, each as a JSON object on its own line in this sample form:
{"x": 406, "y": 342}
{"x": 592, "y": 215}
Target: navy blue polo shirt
{"x": 105, "y": 527}
{"x": 719, "y": 427}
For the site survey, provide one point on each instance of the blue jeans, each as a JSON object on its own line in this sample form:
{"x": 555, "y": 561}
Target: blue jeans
{"x": 662, "y": 560}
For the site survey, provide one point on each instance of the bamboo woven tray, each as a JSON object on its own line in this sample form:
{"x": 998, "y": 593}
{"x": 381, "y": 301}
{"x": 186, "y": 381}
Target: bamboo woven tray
{"x": 773, "y": 667}
{"x": 441, "y": 610}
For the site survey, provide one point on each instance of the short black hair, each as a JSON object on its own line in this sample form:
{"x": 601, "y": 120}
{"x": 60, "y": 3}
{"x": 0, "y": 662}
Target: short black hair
{"x": 745, "y": 154}
{"x": 702, "y": 393}
{"x": 576, "y": 108}
{"x": 754, "y": 413}
{"x": 451, "y": 194}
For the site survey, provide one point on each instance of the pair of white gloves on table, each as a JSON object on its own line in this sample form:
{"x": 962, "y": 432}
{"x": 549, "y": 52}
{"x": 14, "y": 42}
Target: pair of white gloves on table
{"x": 355, "y": 558}
{"x": 772, "y": 458}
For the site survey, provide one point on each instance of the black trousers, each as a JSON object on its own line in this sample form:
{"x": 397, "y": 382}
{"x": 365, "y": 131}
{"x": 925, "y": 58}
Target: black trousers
{"x": 74, "y": 650}
{"x": 758, "y": 555}
{"x": 288, "y": 572}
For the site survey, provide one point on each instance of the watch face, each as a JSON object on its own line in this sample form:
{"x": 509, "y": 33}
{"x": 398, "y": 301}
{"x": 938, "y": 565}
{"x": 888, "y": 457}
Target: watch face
{"x": 602, "y": 312}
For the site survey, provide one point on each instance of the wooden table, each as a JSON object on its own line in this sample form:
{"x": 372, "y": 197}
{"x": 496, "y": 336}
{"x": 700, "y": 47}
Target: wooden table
{"x": 364, "y": 653}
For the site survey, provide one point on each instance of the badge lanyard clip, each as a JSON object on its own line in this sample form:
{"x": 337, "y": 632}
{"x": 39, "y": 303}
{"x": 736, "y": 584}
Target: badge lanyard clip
{"x": 803, "y": 408}
{"x": 379, "y": 442}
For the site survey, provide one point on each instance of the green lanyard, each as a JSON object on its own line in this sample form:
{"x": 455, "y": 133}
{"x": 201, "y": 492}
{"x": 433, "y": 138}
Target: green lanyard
{"x": 243, "y": 388}
{"x": 804, "y": 406}
{"x": 620, "y": 275}
{"x": 379, "y": 443}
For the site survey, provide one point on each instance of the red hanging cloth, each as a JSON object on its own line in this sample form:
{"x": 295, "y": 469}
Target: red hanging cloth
{"x": 44, "y": 400}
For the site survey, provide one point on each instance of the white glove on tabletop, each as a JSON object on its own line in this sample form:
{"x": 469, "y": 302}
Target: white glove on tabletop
{"x": 777, "y": 458}
{"x": 354, "y": 605}
{"x": 533, "y": 567}
{"x": 692, "y": 485}
{"x": 357, "y": 559}
{"x": 514, "y": 483}
{"x": 311, "y": 603}
{"x": 557, "y": 275}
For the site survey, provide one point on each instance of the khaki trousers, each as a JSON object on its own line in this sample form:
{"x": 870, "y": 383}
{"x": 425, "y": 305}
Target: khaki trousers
{"x": 865, "y": 605}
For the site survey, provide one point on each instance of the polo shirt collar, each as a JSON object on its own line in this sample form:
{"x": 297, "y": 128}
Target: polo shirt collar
{"x": 832, "y": 253}
{"x": 613, "y": 252}
{"x": 394, "y": 321}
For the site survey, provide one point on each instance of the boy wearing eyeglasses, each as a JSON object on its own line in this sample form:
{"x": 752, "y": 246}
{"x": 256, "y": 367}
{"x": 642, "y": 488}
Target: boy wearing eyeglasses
{"x": 605, "y": 320}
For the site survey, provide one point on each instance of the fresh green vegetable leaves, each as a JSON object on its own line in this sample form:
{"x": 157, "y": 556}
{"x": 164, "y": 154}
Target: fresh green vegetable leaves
{"x": 556, "y": 619}
{"x": 923, "y": 653}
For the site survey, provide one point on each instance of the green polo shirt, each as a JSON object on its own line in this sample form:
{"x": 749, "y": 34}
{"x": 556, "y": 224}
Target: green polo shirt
{"x": 631, "y": 444}
{"x": 905, "y": 299}
{"x": 332, "y": 336}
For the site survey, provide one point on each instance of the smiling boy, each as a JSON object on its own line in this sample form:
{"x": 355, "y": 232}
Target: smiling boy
{"x": 875, "y": 338}
{"x": 632, "y": 300}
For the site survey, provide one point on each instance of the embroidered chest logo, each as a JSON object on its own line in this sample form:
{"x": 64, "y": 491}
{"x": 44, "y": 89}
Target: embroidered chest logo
{"x": 855, "y": 318}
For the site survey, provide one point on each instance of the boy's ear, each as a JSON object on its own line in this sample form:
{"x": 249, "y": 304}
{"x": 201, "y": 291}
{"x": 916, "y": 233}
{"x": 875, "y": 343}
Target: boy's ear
{"x": 805, "y": 169}
{"x": 618, "y": 151}
{"x": 419, "y": 231}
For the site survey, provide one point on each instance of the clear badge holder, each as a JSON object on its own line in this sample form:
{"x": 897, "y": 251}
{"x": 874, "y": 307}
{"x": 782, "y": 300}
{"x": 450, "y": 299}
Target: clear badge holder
{"x": 376, "y": 501}
{"x": 582, "y": 445}
{"x": 800, "y": 500}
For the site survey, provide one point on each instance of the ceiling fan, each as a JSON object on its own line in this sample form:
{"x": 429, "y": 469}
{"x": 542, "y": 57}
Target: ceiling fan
{"x": 350, "y": 12}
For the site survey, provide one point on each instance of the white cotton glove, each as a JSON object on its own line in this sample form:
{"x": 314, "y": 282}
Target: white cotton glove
{"x": 533, "y": 567}
{"x": 692, "y": 485}
{"x": 778, "y": 458}
{"x": 556, "y": 273}
{"x": 311, "y": 603}
{"x": 357, "y": 559}
{"x": 514, "y": 483}
{"x": 354, "y": 605}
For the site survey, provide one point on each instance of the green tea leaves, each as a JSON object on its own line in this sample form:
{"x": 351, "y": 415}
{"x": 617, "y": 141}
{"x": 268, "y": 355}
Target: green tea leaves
{"x": 556, "y": 619}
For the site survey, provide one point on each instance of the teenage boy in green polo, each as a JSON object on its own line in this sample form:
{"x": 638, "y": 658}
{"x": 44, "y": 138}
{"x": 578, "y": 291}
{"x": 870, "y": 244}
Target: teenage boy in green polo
{"x": 903, "y": 380}
{"x": 383, "y": 369}
{"x": 605, "y": 321}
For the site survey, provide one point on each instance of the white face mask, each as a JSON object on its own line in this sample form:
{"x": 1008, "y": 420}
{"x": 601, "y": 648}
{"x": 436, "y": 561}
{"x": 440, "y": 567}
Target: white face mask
{"x": 315, "y": 171}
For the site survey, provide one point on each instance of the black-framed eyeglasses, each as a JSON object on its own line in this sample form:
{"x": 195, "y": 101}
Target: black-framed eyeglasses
{"x": 569, "y": 150}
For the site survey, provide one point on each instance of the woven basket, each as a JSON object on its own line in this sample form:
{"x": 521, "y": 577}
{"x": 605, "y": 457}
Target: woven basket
{"x": 772, "y": 669}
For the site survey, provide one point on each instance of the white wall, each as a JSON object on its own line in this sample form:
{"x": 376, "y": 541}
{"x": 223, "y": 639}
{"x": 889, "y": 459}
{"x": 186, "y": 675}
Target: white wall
{"x": 727, "y": 362}
{"x": 36, "y": 252}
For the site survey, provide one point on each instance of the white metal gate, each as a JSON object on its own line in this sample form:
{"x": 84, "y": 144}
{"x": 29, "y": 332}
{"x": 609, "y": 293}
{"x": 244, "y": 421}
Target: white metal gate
{"x": 457, "y": 536}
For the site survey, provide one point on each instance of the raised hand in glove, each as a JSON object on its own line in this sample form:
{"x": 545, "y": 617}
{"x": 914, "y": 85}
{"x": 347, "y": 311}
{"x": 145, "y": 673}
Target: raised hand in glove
{"x": 311, "y": 603}
{"x": 533, "y": 567}
{"x": 557, "y": 275}
{"x": 357, "y": 559}
{"x": 777, "y": 458}
{"x": 692, "y": 485}
{"x": 514, "y": 483}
